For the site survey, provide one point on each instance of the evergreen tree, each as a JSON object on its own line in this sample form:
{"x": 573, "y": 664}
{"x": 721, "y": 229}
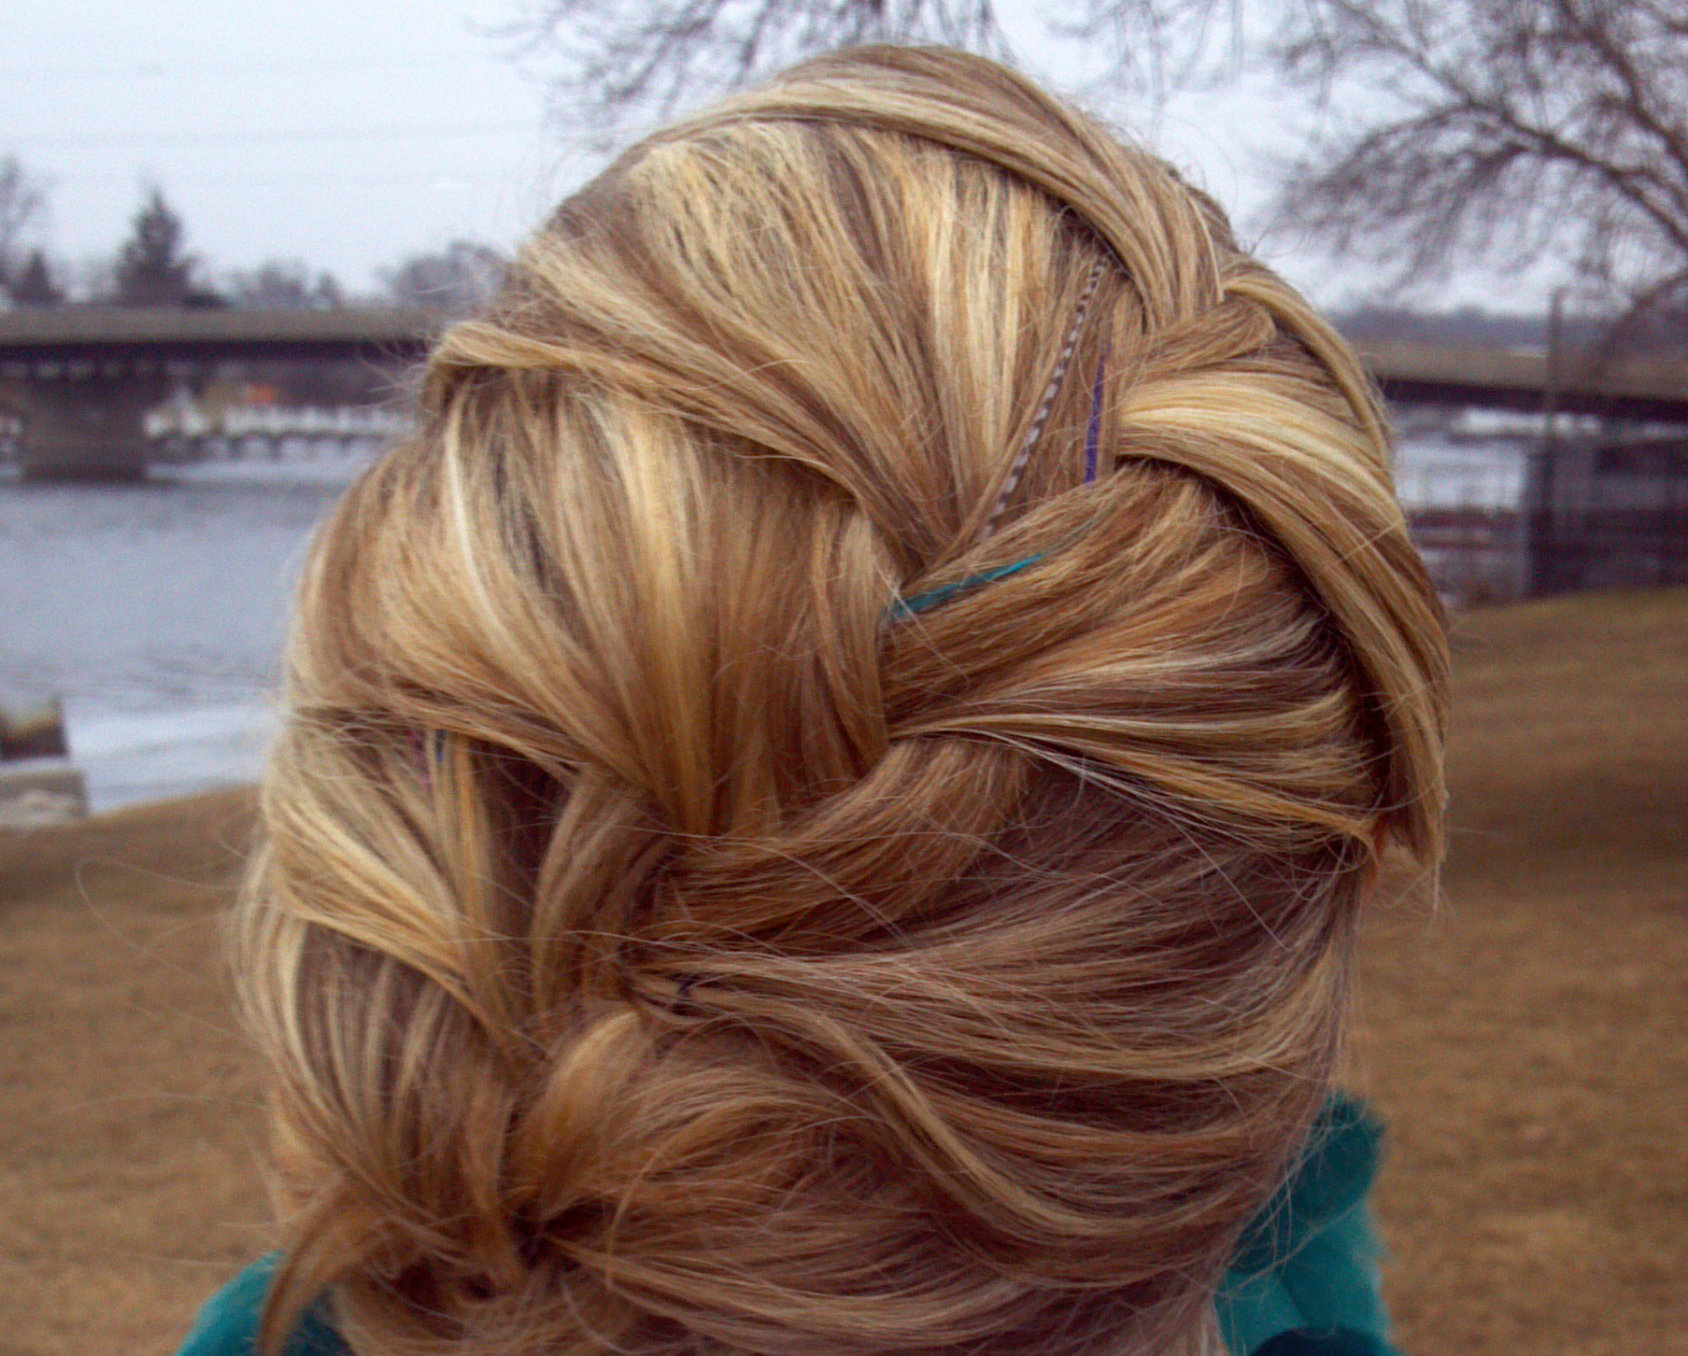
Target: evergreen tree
{"x": 34, "y": 284}
{"x": 23, "y": 202}
{"x": 153, "y": 268}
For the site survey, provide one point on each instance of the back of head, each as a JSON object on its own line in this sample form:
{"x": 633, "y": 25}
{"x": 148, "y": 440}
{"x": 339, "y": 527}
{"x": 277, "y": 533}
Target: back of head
{"x": 825, "y": 793}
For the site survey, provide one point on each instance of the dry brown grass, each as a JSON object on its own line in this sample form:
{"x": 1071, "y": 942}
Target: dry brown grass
{"x": 1528, "y": 1044}
{"x": 128, "y": 1182}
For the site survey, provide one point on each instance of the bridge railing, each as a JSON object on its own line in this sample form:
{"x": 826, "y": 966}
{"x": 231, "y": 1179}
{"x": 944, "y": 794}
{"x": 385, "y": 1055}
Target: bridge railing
{"x": 274, "y": 422}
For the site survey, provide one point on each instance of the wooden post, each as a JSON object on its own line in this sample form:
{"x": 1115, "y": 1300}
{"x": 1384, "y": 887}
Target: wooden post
{"x": 38, "y": 785}
{"x": 33, "y": 731}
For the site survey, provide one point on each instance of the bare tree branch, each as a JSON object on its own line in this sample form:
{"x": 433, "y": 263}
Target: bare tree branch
{"x": 1508, "y": 131}
{"x": 1164, "y": 44}
{"x": 1456, "y": 132}
{"x": 620, "y": 62}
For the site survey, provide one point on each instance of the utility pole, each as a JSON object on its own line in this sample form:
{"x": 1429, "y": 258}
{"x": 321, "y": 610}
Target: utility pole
{"x": 1535, "y": 536}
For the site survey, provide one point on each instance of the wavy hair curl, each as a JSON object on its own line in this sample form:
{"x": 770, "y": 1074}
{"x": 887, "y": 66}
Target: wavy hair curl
{"x": 661, "y": 944}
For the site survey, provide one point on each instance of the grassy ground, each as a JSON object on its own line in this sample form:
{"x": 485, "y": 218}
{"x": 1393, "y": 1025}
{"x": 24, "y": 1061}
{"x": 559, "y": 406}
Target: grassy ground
{"x": 128, "y": 1176}
{"x": 1528, "y": 1043}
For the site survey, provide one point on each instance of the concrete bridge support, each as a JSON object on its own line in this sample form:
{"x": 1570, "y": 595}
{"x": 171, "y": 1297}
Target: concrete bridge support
{"x": 85, "y": 426}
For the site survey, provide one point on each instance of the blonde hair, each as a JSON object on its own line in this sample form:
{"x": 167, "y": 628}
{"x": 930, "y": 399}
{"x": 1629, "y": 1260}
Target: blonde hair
{"x": 662, "y": 944}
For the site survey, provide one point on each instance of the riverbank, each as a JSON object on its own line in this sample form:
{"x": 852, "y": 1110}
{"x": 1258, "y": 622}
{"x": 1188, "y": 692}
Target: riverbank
{"x": 1527, "y": 1043}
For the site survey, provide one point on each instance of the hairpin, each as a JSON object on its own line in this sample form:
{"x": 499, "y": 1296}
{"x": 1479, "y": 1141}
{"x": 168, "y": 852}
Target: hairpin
{"x": 427, "y": 751}
{"x": 682, "y": 1004}
{"x": 1093, "y": 430}
{"x": 907, "y": 607}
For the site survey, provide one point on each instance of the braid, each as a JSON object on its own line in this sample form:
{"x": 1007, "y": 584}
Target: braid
{"x": 735, "y": 972}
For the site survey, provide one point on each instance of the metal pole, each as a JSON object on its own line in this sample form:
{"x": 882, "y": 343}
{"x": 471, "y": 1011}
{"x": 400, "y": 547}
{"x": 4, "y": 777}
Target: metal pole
{"x": 1538, "y": 518}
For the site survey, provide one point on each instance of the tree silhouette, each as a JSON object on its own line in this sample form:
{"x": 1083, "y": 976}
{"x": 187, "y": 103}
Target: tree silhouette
{"x": 282, "y": 285}
{"x": 22, "y": 205}
{"x": 457, "y": 279}
{"x": 33, "y": 284}
{"x": 1513, "y": 132}
{"x": 153, "y": 268}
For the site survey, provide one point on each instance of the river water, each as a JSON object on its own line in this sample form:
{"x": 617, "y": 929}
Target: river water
{"x": 156, "y": 611}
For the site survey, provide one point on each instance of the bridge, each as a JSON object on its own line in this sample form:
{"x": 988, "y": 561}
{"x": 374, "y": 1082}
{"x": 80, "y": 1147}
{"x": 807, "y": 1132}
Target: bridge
{"x": 1631, "y": 387}
{"x": 83, "y": 379}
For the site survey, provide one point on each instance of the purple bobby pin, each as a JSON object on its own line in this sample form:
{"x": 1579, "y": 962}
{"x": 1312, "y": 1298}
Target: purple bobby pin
{"x": 1093, "y": 433}
{"x": 419, "y": 749}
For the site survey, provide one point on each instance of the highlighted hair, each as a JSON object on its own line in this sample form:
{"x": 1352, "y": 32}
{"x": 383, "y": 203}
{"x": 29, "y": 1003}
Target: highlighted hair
{"x": 738, "y": 972}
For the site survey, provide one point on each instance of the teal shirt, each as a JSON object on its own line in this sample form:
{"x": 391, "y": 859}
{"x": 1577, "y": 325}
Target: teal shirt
{"x": 1303, "y": 1282}
{"x": 228, "y": 1323}
{"x": 1305, "y": 1278}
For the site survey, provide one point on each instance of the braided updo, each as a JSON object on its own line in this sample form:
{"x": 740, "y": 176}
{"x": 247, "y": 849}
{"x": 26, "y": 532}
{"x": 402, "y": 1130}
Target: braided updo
{"x": 664, "y": 942}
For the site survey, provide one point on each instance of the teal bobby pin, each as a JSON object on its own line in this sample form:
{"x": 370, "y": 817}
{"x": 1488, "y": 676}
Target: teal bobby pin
{"x": 907, "y": 607}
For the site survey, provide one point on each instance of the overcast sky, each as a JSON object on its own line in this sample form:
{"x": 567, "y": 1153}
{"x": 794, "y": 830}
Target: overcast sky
{"x": 349, "y": 135}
